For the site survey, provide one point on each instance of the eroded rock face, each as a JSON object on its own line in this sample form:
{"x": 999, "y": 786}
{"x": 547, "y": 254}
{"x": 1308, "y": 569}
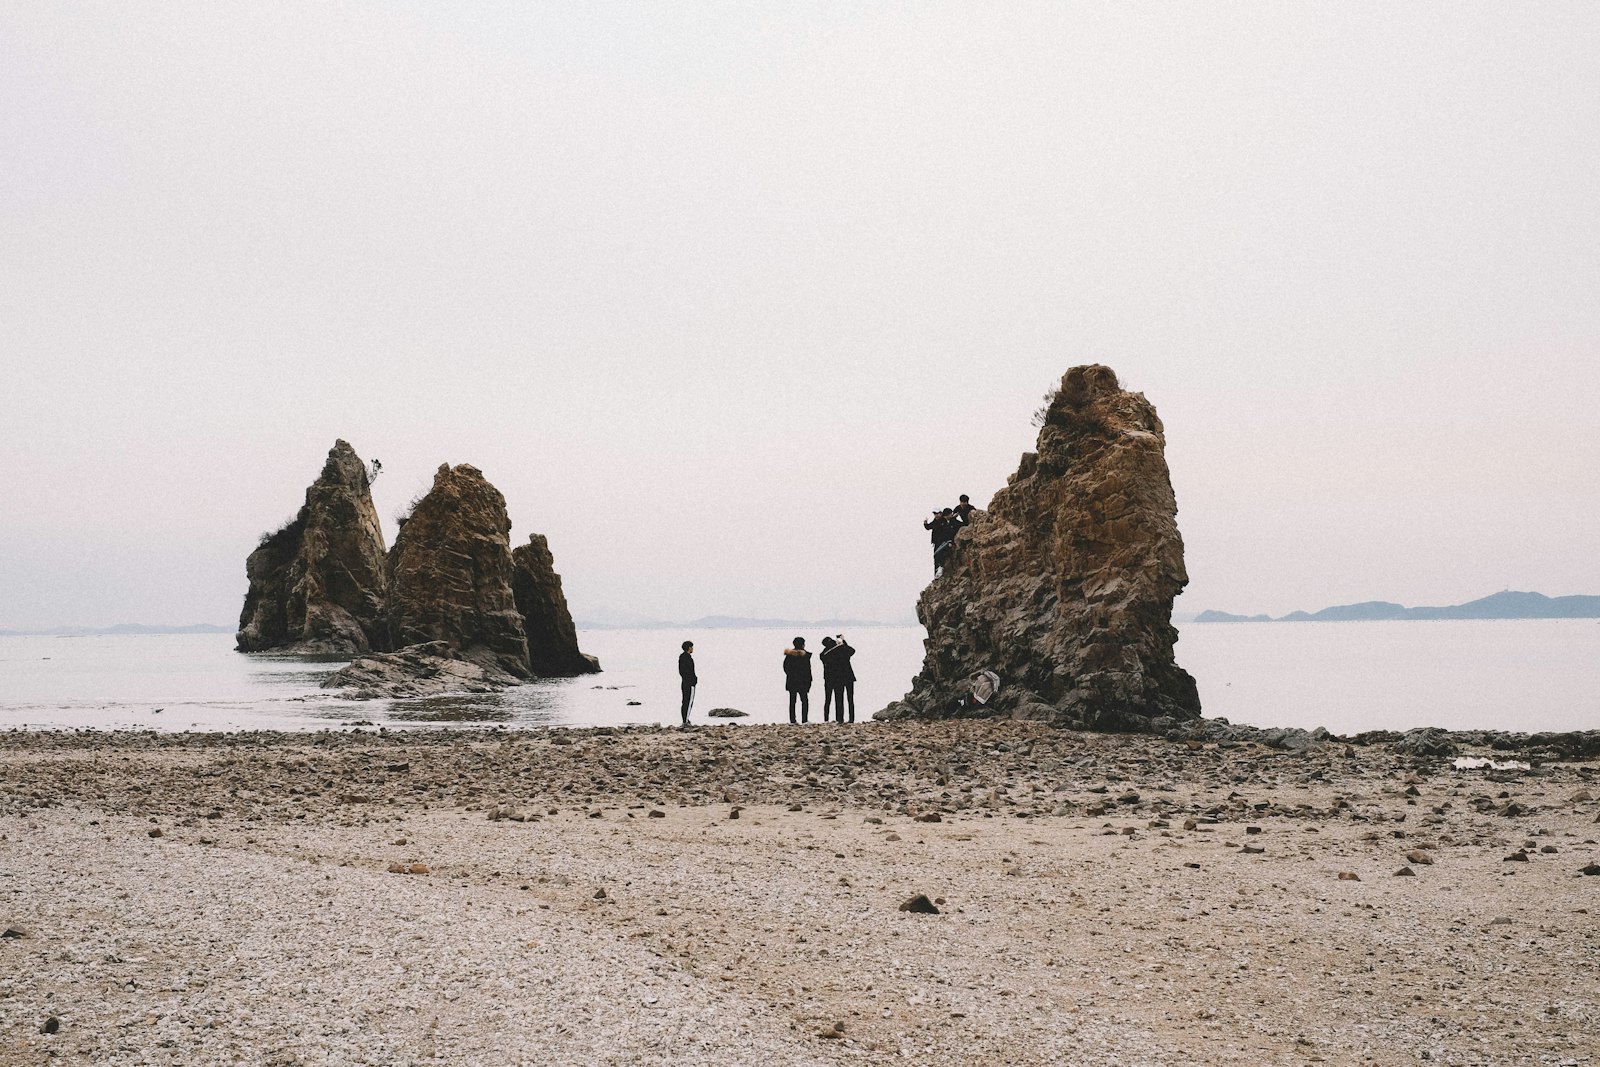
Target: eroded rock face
{"x": 552, "y": 639}
{"x": 1064, "y": 587}
{"x": 319, "y": 584}
{"x": 450, "y": 574}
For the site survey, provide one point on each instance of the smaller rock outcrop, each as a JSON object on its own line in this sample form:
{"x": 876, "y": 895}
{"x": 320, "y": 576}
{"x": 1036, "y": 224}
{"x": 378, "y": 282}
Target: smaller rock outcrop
{"x": 431, "y": 669}
{"x": 450, "y": 574}
{"x": 318, "y": 584}
{"x": 547, "y": 621}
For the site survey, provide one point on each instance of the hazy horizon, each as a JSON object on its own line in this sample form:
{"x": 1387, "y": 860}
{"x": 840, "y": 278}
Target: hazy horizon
{"x": 725, "y": 298}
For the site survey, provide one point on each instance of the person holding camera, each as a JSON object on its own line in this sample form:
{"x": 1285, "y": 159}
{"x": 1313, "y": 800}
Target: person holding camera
{"x": 838, "y": 678}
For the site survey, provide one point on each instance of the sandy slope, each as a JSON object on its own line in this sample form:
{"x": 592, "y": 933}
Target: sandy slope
{"x": 264, "y": 925}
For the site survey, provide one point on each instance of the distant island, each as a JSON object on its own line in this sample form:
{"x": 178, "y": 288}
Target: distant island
{"x": 726, "y": 622}
{"x": 1504, "y": 605}
{"x": 119, "y": 628}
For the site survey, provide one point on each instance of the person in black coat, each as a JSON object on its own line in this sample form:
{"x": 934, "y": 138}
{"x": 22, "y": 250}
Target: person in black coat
{"x": 687, "y": 677}
{"x": 944, "y": 525}
{"x": 797, "y": 677}
{"x": 838, "y": 678}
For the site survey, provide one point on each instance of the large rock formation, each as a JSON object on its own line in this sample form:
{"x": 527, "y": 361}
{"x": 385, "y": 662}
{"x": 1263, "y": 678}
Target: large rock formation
{"x": 552, "y": 639}
{"x": 1065, "y": 586}
{"x": 450, "y": 574}
{"x": 319, "y": 583}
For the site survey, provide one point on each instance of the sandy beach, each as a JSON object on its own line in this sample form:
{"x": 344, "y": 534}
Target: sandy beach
{"x": 732, "y": 895}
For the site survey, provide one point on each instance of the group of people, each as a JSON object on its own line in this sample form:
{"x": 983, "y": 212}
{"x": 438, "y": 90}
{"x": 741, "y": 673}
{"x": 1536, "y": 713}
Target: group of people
{"x": 945, "y": 524}
{"x": 838, "y": 676}
{"x": 838, "y": 679}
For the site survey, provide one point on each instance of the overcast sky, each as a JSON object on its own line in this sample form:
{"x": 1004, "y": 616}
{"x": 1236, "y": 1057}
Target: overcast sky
{"x": 725, "y": 298}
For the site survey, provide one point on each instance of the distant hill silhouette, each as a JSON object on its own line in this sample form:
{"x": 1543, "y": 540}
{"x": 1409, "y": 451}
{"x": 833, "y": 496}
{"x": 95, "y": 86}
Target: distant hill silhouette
{"x": 119, "y": 628}
{"x": 727, "y": 622}
{"x": 1504, "y": 605}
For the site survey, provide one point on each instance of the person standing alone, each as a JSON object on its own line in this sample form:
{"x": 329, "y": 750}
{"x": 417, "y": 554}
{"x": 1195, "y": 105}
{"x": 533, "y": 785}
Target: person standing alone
{"x": 687, "y": 677}
{"x": 797, "y": 678}
{"x": 838, "y": 678}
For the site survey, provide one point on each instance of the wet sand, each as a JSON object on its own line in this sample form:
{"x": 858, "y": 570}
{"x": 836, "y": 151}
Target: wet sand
{"x": 731, "y": 895}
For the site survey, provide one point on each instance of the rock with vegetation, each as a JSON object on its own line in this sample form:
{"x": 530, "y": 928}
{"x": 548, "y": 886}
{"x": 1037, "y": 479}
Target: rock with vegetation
{"x": 1064, "y": 587}
{"x": 450, "y": 574}
{"x": 319, "y": 584}
{"x": 552, "y": 638}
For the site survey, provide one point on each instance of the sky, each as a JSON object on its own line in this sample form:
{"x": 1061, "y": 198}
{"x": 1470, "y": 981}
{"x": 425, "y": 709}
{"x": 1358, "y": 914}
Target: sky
{"x": 726, "y": 297}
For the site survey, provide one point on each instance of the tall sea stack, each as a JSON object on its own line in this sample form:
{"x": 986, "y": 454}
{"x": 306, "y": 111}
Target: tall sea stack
{"x": 319, "y": 583}
{"x": 450, "y": 574}
{"x": 552, "y": 638}
{"x": 1064, "y": 587}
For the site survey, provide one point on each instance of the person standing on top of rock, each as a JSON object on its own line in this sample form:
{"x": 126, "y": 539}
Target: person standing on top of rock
{"x": 964, "y": 510}
{"x": 838, "y": 677}
{"x": 687, "y": 677}
{"x": 797, "y": 677}
{"x": 944, "y": 525}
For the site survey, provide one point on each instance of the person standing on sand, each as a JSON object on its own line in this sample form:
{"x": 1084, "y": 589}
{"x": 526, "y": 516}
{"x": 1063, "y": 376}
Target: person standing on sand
{"x": 838, "y": 678}
{"x": 797, "y": 677}
{"x": 687, "y": 677}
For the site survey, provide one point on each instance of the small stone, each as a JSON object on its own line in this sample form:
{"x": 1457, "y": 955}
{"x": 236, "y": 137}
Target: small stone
{"x": 417, "y": 868}
{"x": 1189, "y": 824}
{"x": 13, "y": 932}
{"x": 1405, "y": 872}
{"x": 797, "y": 807}
{"x": 1518, "y": 856}
{"x": 1592, "y": 869}
{"x": 920, "y": 905}
{"x": 1252, "y": 850}
{"x": 656, "y": 813}
{"x": 1252, "y": 829}
{"x": 1549, "y": 850}
{"x": 600, "y": 894}
{"x": 1349, "y": 876}
{"x": 51, "y": 1025}
{"x": 1513, "y": 809}
{"x": 891, "y": 837}
{"x": 1418, "y": 856}
{"x": 930, "y": 816}
{"x": 733, "y": 813}
{"x": 156, "y": 832}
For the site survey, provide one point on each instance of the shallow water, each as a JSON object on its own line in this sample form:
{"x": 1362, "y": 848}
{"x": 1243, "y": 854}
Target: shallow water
{"x": 1515, "y": 675}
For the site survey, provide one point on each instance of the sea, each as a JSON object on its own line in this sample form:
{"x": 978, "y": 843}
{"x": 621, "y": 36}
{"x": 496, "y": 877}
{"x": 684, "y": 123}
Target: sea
{"x": 1522, "y": 675}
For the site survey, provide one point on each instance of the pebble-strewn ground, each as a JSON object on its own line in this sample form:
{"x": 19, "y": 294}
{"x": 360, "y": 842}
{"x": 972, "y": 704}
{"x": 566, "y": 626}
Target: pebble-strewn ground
{"x": 731, "y": 895}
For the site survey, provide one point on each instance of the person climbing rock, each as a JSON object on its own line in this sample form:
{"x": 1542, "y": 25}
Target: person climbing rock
{"x": 944, "y": 525}
{"x": 964, "y": 510}
{"x": 687, "y": 677}
{"x": 797, "y": 677}
{"x": 838, "y": 678}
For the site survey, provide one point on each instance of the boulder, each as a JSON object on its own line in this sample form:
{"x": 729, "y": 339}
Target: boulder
{"x": 1064, "y": 586}
{"x": 318, "y": 585}
{"x": 450, "y": 574}
{"x": 423, "y": 670}
{"x": 552, "y": 639}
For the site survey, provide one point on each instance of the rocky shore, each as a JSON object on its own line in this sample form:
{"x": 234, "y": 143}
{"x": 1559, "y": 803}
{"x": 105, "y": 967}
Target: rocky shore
{"x": 733, "y": 894}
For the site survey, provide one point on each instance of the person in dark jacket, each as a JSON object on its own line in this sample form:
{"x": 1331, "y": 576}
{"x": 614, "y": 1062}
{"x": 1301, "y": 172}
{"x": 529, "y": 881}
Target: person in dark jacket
{"x": 687, "y": 677}
{"x": 965, "y": 509}
{"x": 797, "y": 677}
{"x": 838, "y": 678}
{"x": 944, "y": 525}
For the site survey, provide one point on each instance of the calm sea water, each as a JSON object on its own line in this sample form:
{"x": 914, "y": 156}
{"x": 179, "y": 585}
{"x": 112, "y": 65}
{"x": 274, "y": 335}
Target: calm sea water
{"x": 1513, "y": 675}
